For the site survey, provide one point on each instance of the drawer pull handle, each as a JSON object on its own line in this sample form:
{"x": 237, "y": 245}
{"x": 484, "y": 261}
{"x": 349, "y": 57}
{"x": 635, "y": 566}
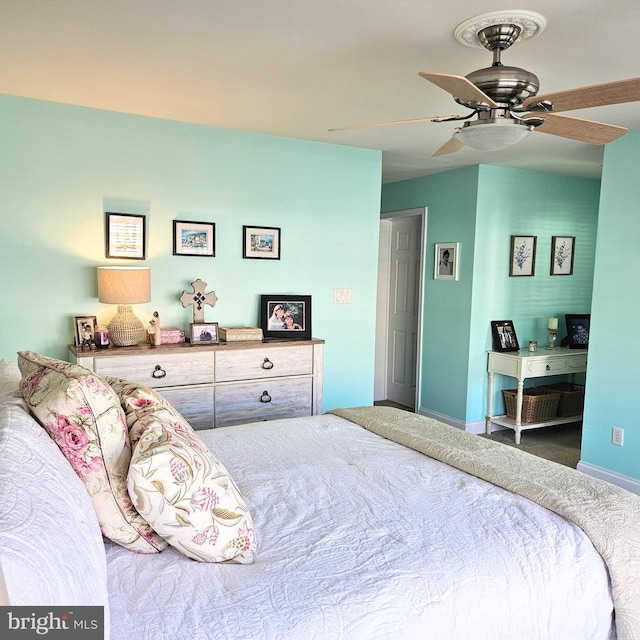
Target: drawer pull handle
{"x": 267, "y": 364}
{"x": 158, "y": 372}
{"x": 548, "y": 368}
{"x": 265, "y": 397}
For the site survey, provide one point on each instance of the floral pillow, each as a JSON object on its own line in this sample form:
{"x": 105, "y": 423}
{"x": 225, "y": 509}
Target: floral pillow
{"x": 183, "y": 491}
{"x": 82, "y": 414}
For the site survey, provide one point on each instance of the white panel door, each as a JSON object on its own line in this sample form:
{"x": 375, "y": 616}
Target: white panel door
{"x": 404, "y": 306}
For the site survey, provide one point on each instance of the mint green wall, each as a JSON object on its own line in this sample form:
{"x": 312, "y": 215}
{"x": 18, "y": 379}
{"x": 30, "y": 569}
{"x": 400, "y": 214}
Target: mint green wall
{"x": 612, "y": 397}
{"x": 481, "y": 207}
{"x": 62, "y": 167}
{"x": 451, "y": 201}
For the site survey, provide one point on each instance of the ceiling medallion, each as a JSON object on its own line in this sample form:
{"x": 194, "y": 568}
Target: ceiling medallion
{"x": 531, "y": 25}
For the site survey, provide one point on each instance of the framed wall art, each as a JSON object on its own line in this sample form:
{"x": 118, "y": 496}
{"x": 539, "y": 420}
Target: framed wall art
{"x": 203, "y": 333}
{"x": 447, "y": 256}
{"x": 578, "y": 326}
{"x": 523, "y": 256}
{"x": 562, "y": 248}
{"x": 504, "y": 336}
{"x": 261, "y": 243}
{"x": 85, "y": 325}
{"x": 126, "y": 236}
{"x": 285, "y": 317}
{"x": 194, "y": 238}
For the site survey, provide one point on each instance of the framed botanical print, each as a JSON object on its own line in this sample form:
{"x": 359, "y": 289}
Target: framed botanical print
{"x": 523, "y": 256}
{"x": 562, "y": 248}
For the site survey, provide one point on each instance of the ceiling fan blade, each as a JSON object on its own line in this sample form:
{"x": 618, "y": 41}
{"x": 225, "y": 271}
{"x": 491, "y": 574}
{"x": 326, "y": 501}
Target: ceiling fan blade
{"x": 384, "y": 124}
{"x": 459, "y": 87}
{"x": 450, "y": 146}
{"x": 597, "y": 95}
{"x": 577, "y": 128}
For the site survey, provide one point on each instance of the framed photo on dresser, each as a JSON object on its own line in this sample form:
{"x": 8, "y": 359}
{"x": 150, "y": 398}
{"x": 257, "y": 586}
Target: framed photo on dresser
{"x": 285, "y": 317}
{"x": 504, "y": 336}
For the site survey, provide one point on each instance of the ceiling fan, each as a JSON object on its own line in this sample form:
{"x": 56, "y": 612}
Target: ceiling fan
{"x": 504, "y": 99}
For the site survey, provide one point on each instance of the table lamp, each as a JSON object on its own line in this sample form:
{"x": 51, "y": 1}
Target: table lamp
{"x": 124, "y": 286}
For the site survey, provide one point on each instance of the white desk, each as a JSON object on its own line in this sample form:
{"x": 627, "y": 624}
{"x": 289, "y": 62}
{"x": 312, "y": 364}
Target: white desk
{"x": 526, "y": 364}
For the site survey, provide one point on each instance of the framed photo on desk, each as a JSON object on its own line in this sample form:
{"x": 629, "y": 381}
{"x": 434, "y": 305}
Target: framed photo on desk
{"x": 578, "y": 326}
{"x": 504, "y": 336}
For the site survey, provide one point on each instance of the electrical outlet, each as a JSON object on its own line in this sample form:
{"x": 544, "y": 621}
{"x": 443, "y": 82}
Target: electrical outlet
{"x": 617, "y": 436}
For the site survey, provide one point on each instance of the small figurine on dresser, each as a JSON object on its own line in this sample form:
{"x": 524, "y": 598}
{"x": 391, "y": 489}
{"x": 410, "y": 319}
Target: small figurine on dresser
{"x": 87, "y": 338}
{"x": 154, "y": 335}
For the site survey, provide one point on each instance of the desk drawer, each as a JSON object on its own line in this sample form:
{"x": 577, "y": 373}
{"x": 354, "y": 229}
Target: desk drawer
{"x": 263, "y": 400}
{"x": 577, "y": 363}
{"x": 160, "y": 370}
{"x": 251, "y": 364}
{"x": 550, "y": 367}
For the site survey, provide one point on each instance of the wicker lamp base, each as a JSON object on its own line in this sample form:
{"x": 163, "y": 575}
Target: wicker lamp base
{"x": 125, "y": 329}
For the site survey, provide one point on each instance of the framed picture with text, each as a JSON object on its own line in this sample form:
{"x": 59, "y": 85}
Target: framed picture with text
{"x": 126, "y": 236}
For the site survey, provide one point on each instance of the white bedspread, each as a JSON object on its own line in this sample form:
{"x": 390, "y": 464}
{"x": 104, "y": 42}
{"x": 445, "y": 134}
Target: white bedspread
{"x": 361, "y": 538}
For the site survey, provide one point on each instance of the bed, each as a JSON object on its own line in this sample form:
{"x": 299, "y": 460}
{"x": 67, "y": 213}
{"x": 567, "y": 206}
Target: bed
{"x": 370, "y": 523}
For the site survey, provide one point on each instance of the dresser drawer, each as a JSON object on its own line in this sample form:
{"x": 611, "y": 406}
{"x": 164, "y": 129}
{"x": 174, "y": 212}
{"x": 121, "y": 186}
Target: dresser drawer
{"x": 195, "y": 404}
{"x": 264, "y": 400}
{"x": 551, "y": 367}
{"x": 252, "y": 364}
{"x": 160, "y": 370}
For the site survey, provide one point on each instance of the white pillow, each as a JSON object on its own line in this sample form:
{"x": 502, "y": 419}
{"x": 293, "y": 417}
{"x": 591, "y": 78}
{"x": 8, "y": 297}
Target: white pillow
{"x": 9, "y": 383}
{"x": 51, "y": 548}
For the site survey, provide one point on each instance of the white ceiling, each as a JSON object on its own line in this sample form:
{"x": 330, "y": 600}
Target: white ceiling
{"x": 297, "y": 68}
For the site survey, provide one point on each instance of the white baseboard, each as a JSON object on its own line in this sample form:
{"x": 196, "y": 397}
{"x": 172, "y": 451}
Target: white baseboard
{"x": 630, "y": 484}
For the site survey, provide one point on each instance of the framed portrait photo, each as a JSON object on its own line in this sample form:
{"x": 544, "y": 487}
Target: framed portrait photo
{"x": 578, "y": 326}
{"x": 447, "y": 256}
{"x": 203, "y": 333}
{"x": 285, "y": 317}
{"x": 504, "y": 336}
{"x": 261, "y": 243}
{"x": 126, "y": 236}
{"x": 194, "y": 238}
{"x": 562, "y": 255}
{"x": 523, "y": 256}
{"x": 85, "y": 325}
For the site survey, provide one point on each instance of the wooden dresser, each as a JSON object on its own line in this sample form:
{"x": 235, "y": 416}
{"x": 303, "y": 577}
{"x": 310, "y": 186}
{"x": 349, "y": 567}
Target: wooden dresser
{"x": 221, "y": 385}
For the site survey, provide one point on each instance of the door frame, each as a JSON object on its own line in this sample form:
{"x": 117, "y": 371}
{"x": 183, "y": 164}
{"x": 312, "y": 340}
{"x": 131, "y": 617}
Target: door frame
{"x": 382, "y": 302}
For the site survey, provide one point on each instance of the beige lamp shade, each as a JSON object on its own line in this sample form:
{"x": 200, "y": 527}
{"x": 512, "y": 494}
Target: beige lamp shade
{"x": 124, "y": 286}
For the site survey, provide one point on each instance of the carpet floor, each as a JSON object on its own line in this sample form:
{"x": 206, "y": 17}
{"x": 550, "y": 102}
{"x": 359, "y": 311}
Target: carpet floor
{"x": 560, "y": 443}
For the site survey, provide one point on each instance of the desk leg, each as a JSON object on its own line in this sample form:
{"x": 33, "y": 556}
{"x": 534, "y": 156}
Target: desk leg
{"x": 489, "y": 404}
{"x": 518, "y": 424}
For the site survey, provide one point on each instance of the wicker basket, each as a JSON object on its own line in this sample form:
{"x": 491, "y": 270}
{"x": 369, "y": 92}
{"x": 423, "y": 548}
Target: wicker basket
{"x": 538, "y": 403}
{"x": 571, "y": 398}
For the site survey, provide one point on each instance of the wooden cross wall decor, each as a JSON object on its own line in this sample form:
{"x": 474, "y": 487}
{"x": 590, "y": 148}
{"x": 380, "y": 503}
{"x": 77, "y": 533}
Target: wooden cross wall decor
{"x": 198, "y": 299}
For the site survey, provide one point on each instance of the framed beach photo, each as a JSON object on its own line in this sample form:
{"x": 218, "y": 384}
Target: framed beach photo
{"x": 85, "y": 325}
{"x": 562, "y": 248}
{"x": 285, "y": 317}
{"x": 447, "y": 256}
{"x": 203, "y": 333}
{"x": 578, "y": 327}
{"x": 261, "y": 243}
{"x": 523, "y": 256}
{"x": 194, "y": 238}
{"x": 504, "y": 336}
{"x": 126, "y": 236}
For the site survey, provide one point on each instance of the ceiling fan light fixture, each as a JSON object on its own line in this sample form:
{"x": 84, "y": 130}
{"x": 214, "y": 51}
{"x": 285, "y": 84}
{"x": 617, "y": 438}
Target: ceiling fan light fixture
{"x": 492, "y": 136}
